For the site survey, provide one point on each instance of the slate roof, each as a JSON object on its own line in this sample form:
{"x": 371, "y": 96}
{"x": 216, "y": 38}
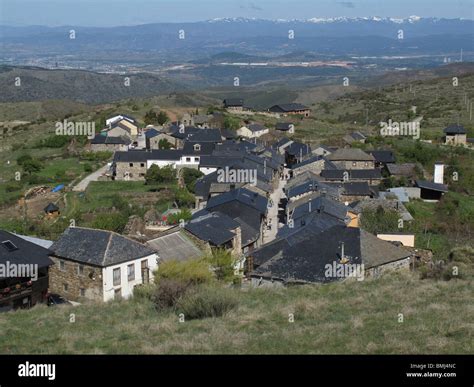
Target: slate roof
{"x": 383, "y": 156}
{"x": 143, "y": 156}
{"x": 174, "y": 246}
{"x": 103, "y": 139}
{"x": 205, "y": 135}
{"x": 282, "y": 142}
{"x": 181, "y": 134}
{"x": 205, "y": 148}
{"x": 37, "y": 241}
{"x": 150, "y": 133}
{"x": 308, "y": 161}
{"x": 357, "y": 136}
{"x": 351, "y": 154}
{"x": 288, "y": 107}
{"x": 51, "y": 207}
{"x": 241, "y": 195}
{"x": 213, "y": 228}
{"x": 24, "y": 252}
{"x": 233, "y": 102}
{"x": 338, "y": 174}
{"x": 284, "y": 126}
{"x": 407, "y": 169}
{"x": 298, "y": 149}
{"x": 319, "y": 204}
{"x": 305, "y": 260}
{"x": 455, "y": 129}
{"x": 431, "y": 186}
{"x": 255, "y": 127}
{"x": 98, "y": 247}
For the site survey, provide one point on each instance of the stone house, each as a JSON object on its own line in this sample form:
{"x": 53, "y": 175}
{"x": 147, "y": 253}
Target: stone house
{"x": 352, "y": 158}
{"x": 98, "y": 265}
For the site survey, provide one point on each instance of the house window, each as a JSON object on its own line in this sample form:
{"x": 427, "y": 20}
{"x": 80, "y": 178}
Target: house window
{"x": 196, "y": 159}
{"x": 65, "y": 287}
{"x": 131, "y": 272}
{"x": 80, "y": 269}
{"x": 354, "y": 163}
{"x": 116, "y": 275}
{"x": 82, "y": 292}
{"x": 188, "y": 159}
{"x": 118, "y": 294}
{"x": 142, "y": 165}
{"x": 130, "y": 164}
{"x": 197, "y": 147}
{"x": 62, "y": 265}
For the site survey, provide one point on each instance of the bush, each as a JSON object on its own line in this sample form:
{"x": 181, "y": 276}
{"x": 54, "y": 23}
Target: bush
{"x": 144, "y": 292}
{"x": 190, "y": 176}
{"x": 111, "y": 222}
{"x": 192, "y": 272}
{"x": 184, "y": 198}
{"x": 168, "y": 292}
{"x": 155, "y": 174}
{"x": 206, "y": 302}
{"x": 88, "y": 167}
{"x": 223, "y": 264}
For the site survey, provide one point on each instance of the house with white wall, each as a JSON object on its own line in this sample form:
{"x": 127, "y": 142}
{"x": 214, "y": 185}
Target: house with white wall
{"x": 99, "y": 265}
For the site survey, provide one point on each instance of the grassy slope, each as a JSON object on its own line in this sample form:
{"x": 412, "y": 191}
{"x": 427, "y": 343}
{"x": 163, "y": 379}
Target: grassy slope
{"x": 353, "y": 317}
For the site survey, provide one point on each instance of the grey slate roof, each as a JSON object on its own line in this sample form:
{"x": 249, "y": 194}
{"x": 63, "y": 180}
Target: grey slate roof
{"x": 26, "y": 252}
{"x": 455, "y": 129}
{"x": 174, "y": 246}
{"x": 338, "y": 174}
{"x": 233, "y": 102}
{"x": 98, "y": 247}
{"x": 214, "y": 228}
{"x": 383, "y": 156}
{"x": 241, "y": 195}
{"x": 283, "y": 126}
{"x": 305, "y": 260}
{"x": 288, "y": 107}
{"x": 350, "y": 154}
{"x": 431, "y": 186}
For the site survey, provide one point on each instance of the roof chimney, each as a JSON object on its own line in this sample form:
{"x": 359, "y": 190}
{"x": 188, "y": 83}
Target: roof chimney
{"x": 439, "y": 173}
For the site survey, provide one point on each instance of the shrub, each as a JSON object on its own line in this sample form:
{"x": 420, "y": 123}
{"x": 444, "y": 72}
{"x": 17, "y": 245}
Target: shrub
{"x": 222, "y": 263}
{"x": 111, "y": 222}
{"x": 144, "y": 292}
{"x": 155, "y": 174}
{"x": 206, "y": 302}
{"x": 88, "y": 167}
{"x": 192, "y": 272}
{"x": 168, "y": 292}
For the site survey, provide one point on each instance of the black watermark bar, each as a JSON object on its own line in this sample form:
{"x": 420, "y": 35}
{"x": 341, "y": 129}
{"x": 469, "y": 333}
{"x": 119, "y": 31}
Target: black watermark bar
{"x": 383, "y": 370}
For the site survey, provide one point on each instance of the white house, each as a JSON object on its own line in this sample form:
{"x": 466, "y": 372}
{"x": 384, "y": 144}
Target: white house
{"x": 99, "y": 265}
{"x": 252, "y": 131}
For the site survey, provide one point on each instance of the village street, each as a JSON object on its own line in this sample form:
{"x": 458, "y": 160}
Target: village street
{"x": 272, "y": 215}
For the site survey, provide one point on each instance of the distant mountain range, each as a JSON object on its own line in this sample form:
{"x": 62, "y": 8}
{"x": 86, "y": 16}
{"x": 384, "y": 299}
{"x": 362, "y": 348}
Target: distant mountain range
{"x": 244, "y": 35}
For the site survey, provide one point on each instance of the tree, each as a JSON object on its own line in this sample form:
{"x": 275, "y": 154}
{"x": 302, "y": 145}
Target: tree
{"x": 150, "y": 117}
{"x": 162, "y": 118}
{"x": 190, "y": 176}
{"x": 222, "y": 263}
{"x": 160, "y": 175}
{"x": 231, "y": 123}
{"x": 31, "y": 166}
{"x": 164, "y": 144}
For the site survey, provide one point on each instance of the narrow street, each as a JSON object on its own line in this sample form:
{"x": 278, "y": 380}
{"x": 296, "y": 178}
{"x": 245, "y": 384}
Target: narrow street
{"x": 272, "y": 215}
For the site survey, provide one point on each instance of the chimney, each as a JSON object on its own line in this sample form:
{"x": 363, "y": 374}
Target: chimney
{"x": 342, "y": 251}
{"x": 439, "y": 173}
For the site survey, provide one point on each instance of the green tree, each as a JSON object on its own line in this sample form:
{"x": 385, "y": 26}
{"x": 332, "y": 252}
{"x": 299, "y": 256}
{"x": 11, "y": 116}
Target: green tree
{"x": 150, "y": 117}
{"x": 190, "y": 176}
{"x": 155, "y": 174}
{"x": 222, "y": 263}
{"x": 32, "y": 166}
{"x": 231, "y": 123}
{"x": 164, "y": 144}
{"x": 162, "y": 118}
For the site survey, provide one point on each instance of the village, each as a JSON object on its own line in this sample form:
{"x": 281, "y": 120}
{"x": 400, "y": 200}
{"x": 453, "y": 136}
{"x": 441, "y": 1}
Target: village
{"x": 287, "y": 212}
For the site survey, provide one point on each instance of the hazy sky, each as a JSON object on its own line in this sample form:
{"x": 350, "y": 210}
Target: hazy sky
{"x": 123, "y": 12}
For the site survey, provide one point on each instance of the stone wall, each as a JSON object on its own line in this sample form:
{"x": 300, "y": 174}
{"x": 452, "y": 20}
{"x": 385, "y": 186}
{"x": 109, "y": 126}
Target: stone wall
{"x": 90, "y": 280}
{"x": 136, "y": 172}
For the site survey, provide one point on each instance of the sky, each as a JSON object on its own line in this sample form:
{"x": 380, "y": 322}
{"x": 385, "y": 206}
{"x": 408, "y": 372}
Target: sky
{"x": 132, "y": 12}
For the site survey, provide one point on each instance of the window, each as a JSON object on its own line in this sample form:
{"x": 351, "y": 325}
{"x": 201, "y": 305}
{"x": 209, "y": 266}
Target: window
{"x": 188, "y": 159}
{"x": 80, "y": 269}
{"x": 117, "y": 294}
{"x": 197, "y": 147}
{"x": 196, "y": 159}
{"x": 130, "y": 164}
{"x": 354, "y": 163}
{"x": 116, "y": 275}
{"x": 65, "y": 287}
{"x": 9, "y": 245}
{"x": 142, "y": 165}
{"x": 82, "y": 292}
{"x": 62, "y": 265}
{"x": 131, "y": 272}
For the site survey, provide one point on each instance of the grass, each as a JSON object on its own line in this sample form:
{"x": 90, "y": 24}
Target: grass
{"x": 351, "y": 317}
